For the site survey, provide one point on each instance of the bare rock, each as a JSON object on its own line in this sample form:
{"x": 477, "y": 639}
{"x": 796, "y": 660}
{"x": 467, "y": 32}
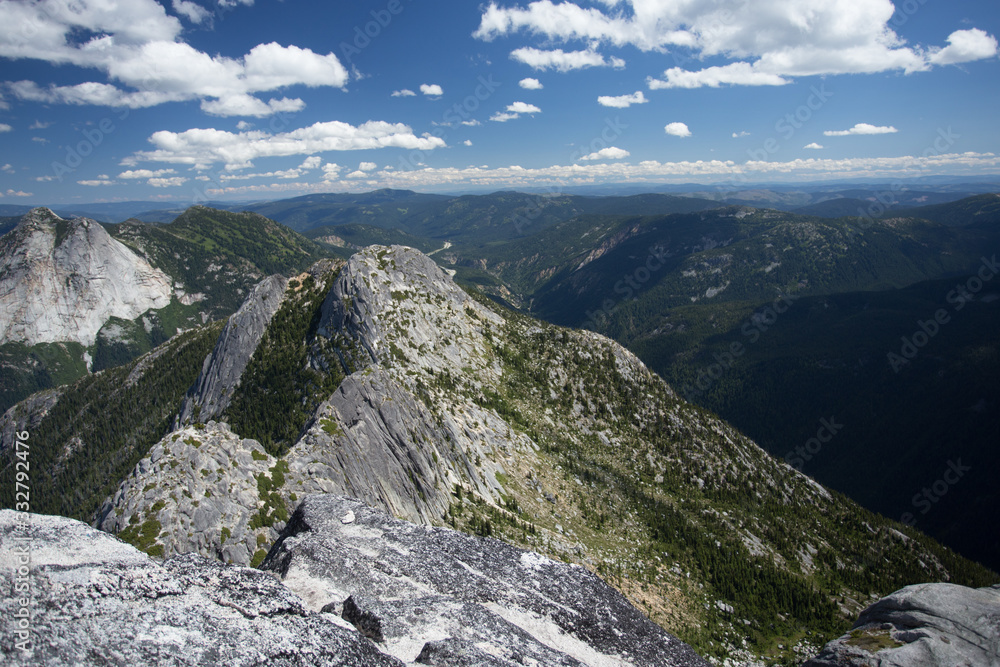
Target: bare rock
{"x": 925, "y": 625}
{"x": 94, "y": 600}
{"x": 408, "y": 585}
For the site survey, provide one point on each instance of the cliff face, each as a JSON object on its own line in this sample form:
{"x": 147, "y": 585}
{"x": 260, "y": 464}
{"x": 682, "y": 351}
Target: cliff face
{"x": 60, "y": 280}
{"x": 239, "y": 339}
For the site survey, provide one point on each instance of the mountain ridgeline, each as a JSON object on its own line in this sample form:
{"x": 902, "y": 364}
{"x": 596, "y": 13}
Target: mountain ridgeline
{"x": 78, "y": 296}
{"x": 381, "y": 379}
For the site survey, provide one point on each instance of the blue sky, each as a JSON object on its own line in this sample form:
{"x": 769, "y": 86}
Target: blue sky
{"x": 186, "y": 100}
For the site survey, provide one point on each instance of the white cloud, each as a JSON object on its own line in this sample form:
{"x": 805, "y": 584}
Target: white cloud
{"x": 405, "y": 92}
{"x": 609, "y": 153}
{"x": 4, "y": 127}
{"x": 677, "y": 130}
{"x": 40, "y": 140}
{"x": 145, "y": 173}
{"x": 139, "y": 50}
{"x": 97, "y": 182}
{"x": 431, "y": 89}
{"x": 467, "y": 142}
{"x": 39, "y": 125}
{"x": 735, "y": 74}
{"x": 191, "y": 11}
{"x": 18, "y": 193}
{"x": 965, "y": 46}
{"x": 204, "y": 147}
{"x": 244, "y": 125}
{"x": 523, "y": 107}
{"x": 622, "y": 101}
{"x": 766, "y": 41}
{"x": 862, "y": 128}
{"x": 471, "y": 123}
{"x": 312, "y": 162}
{"x": 563, "y": 61}
{"x": 7, "y": 169}
{"x": 331, "y": 171}
{"x": 171, "y": 182}
{"x": 503, "y": 117}
{"x": 367, "y": 166}
{"x": 813, "y": 146}
{"x": 248, "y": 105}
{"x": 740, "y": 134}
{"x": 530, "y": 84}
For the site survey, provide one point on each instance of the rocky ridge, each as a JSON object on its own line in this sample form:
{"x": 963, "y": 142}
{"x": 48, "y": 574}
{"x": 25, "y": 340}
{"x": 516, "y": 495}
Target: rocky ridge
{"x": 423, "y": 591}
{"x": 239, "y": 339}
{"x": 61, "y": 280}
{"x": 456, "y": 412}
{"x": 937, "y": 625}
{"x": 96, "y": 601}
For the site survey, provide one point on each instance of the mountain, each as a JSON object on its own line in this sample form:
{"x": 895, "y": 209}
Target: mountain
{"x": 77, "y": 296}
{"x": 382, "y": 380}
{"x": 793, "y": 316}
{"x": 979, "y": 211}
{"x": 357, "y": 588}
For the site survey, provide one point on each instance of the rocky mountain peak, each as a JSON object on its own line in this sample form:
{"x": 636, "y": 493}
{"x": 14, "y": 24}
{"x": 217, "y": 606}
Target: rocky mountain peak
{"x": 60, "y": 280}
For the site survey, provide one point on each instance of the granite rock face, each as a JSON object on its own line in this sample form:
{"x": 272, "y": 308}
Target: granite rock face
{"x": 222, "y": 370}
{"x": 60, "y": 280}
{"x": 96, "y": 601}
{"x": 440, "y": 597}
{"x": 203, "y": 484}
{"x": 926, "y": 625}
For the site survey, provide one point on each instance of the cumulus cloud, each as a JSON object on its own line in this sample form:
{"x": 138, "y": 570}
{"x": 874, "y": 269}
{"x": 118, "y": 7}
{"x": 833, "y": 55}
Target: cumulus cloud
{"x": 523, "y": 107}
{"x": 563, "y": 61}
{"x": 145, "y": 173}
{"x": 4, "y": 127}
{"x": 862, "y": 128}
{"x": 96, "y": 182}
{"x": 7, "y": 168}
{"x": 171, "y": 182}
{"x": 677, "y": 130}
{"x": 503, "y": 117}
{"x": 740, "y": 134}
{"x": 467, "y": 142}
{"x": 530, "y": 84}
{"x": 18, "y": 193}
{"x": 191, "y": 11}
{"x": 204, "y": 147}
{"x": 622, "y": 101}
{"x": 405, "y": 92}
{"x": 813, "y": 146}
{"x": 248, "y": 105}
{"x": 767, "y": 42}
{"x": 965, "y": 46}
{"x": 367, "y": 166}
{"x": 431, "y": 89}
{"x": 609, "y": 153}
{"x": 39, "y": 125}
{"x": 145, "y": 62}
{"x": 514, "y": 111}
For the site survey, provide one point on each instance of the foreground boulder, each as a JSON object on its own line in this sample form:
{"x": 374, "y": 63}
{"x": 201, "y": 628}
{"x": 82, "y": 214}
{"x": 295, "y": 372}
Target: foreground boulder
{"x": 94, "y": 600}
{"x": 440, "y": 597}
{"x": 930, "y": 625}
